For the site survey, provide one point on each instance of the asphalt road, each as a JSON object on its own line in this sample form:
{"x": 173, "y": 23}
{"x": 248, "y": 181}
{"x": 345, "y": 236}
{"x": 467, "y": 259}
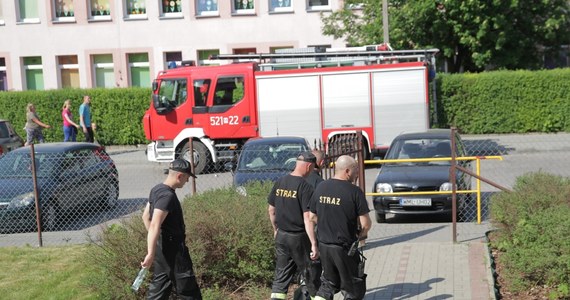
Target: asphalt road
{"x": 520, "y": 154}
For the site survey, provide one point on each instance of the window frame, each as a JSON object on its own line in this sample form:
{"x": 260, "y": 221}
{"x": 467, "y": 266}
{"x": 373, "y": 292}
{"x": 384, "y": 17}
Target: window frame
{"x": 138, "y": 64}
{"x": 64, "y": 19}
{"x": 207, "y": 13}
{"x": 102, "y": 66}
{"x": 129, "y": 5}
{"x": 207, "y": 62}
{"x": 72, "y": 66}
{"x": 27, "y": 67}
{"x": 318, "y": 7}
{"x": 106, "y": 17}
{"x": 273, "y": 8}
{"x": 243, "y": 11}
{"x": 21, "y": 20}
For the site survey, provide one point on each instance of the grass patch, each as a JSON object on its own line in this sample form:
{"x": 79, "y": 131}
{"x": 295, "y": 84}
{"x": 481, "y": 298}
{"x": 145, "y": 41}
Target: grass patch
{"x": 44, "y": 273}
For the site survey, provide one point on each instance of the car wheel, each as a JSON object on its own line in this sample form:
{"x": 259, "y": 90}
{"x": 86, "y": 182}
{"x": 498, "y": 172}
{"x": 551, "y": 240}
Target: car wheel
{"x": 380, "y": 218}
{"x": 50, "y": 217}
{"x": 201, "y": 156}
{"x": 111, "y": 196}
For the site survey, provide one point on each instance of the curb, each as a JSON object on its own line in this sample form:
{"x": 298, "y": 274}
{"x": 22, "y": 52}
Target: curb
{"x": 492, "y": 273}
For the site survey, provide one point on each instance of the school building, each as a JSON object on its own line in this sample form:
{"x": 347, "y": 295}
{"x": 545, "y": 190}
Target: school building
{"x": 52, "y": 44}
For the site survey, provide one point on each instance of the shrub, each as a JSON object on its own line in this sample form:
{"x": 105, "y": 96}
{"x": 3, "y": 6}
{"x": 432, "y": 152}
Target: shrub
{"x": 534, "y": 231}
{"x": 539, "y": 251}
{"x": 230, "y": 240}
{"x": 532, "y": 193}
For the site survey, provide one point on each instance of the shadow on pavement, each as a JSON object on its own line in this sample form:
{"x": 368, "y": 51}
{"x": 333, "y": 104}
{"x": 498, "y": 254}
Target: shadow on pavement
{"x": 402, "y": 238}
{"x": 407, "y": 290}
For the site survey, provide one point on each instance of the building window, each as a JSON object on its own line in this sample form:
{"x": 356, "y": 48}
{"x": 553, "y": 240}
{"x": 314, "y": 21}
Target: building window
{"x": 3, "y": 80}
{"x": 276, "y": 49}
{"x": 244, "y": 51}
{"x": 104, "y": 70}
{"x": 280, "y": 6}
{"x": 318, "y": 4}
{"x": 135, "y": 9}
{"x": 69, "y": 71}
{"x": 28, "y": 11}
{"x": 172, "y": 59}
{"x": 207, "y": 7}
{"x": 139, "y": 69}
{"x": 204, "y": 57}
{"x": 63, "y": 10}
{"x": 34, "y": 73}
{"x": 171, "y": 8}
{"x": 243, "y": 6}
{"x": 100, "y": 9}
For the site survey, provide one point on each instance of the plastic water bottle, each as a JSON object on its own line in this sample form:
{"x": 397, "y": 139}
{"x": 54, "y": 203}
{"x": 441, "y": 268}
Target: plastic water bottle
{"x": 139, "y": 280}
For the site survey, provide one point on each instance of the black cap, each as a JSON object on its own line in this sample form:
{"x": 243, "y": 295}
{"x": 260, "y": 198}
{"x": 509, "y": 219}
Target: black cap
{"x": 307, "y": 156}
{"x": 181, "y": 165}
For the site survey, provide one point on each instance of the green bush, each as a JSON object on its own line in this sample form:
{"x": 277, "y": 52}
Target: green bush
{"x": 117, "y": 112}
{"x": 533, "y": 192}
{"x": 230, "y": 240}
{"x": 534, "y": 231}
{"x": 505, "y": 101}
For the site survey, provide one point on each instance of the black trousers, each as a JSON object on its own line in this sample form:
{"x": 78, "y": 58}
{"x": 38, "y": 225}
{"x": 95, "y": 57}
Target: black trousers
{"x": 172, "y": 268}
{"x": 89, "y": 135}
{"x": 340, "y": 272}
{"x": 292, "y": 251}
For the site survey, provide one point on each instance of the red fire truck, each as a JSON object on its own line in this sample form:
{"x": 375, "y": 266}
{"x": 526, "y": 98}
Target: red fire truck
{"x": 315, "y": 93}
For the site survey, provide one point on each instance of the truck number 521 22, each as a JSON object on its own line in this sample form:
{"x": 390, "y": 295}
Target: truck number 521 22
{"x": 219, "y": 121}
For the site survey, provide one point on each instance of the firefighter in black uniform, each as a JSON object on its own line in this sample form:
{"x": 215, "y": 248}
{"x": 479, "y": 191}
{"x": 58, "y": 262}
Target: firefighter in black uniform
{"x": 167, "y": 251}
{"x": 295, "y": 240}
{"x": 338, "y": 207}
{"x": 315, "y": 177}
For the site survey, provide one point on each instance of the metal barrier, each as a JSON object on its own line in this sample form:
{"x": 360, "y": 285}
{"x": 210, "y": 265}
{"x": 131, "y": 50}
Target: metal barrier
{"x": 477, "y": 191}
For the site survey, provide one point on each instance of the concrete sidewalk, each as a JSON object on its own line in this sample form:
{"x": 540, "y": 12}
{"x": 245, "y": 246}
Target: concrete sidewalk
{"x": 422, "y": 262}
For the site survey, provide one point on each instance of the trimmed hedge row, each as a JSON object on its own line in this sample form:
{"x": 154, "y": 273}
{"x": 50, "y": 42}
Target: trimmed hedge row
{"x": 489, "y": 102}
{"x": 505, "y": 101}
{"x": 117, "y": 112}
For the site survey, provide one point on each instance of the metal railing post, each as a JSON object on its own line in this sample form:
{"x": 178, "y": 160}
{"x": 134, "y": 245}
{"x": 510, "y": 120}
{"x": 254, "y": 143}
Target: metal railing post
{"x": 36, "y": 195}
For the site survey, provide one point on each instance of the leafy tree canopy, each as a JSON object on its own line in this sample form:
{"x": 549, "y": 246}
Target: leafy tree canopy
{"x": 472, "y": 35}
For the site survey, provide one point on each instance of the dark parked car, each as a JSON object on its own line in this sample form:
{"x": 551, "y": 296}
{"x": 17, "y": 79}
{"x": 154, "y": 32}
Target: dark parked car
{"x": 9, "y": 139}
{"x": 268, "y": 158}
{"x": 420, "y": 176}
{"x": 71, "y": 177}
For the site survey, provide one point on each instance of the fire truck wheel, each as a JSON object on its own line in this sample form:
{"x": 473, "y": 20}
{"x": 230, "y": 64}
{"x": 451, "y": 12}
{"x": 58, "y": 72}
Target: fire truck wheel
{"x": 201, "y": 156}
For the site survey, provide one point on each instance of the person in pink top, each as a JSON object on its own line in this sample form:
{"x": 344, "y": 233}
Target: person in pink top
{"x": 69, "y": 127}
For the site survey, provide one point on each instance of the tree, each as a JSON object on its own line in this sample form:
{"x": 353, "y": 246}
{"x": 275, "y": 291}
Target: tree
{"x": 472, "y": 35}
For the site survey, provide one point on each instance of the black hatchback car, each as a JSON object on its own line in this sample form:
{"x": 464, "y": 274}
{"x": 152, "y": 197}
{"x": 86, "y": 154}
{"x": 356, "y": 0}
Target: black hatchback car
{"x": 71, "y": 177}
{"x": 420, "y": 176}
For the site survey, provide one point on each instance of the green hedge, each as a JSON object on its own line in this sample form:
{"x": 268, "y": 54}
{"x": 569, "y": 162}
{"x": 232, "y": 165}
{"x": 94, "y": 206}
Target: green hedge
{"x": 117, "y": 112}
{"x": 488, "y": 102}
{"x": 505, "y": 101}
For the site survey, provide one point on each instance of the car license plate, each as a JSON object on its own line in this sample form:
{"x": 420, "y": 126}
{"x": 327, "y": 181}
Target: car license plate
{"x": 415, "y": 202}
